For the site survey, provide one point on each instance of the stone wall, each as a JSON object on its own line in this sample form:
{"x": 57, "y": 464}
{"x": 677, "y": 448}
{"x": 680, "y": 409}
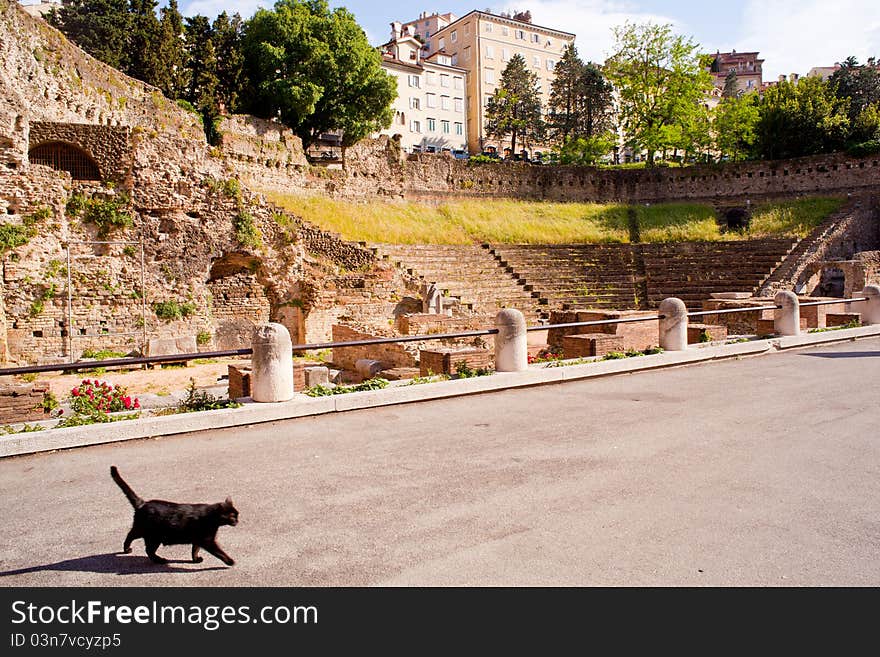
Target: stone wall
{"x": 264, "y": 154}
{"x": 108, "y": 146}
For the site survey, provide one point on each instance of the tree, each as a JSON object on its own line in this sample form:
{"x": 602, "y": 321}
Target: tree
{"x": 145, "y": 56}
{"x": 315, "y": 70}
{"x": 731, "y": 86}
{"x": 201, "y": 68}
{"x": 515, "y": 108}
{"x": 660, "y": 79}
{"x": 859, "y": 84}
{"x": 100, "y": 27}
{"x": 736, "y": 120}
{"x": 586, "y": 151}
{"x": 802, "y": 118}
{"x": 227, "y": 35}
{"x": 580, "y": 100}
{"x": 172, "y": 52}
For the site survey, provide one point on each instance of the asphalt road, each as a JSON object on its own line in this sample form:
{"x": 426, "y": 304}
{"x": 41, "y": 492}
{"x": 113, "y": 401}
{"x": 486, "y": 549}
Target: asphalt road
{"x": 763, "y": 471}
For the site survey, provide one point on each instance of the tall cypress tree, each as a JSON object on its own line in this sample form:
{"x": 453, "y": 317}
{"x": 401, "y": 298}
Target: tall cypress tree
{"x": 145, "y": 57}
{"x": 580, "y": 100}
{"x": 172, "y": 52}
{"x": 227, "y": 36}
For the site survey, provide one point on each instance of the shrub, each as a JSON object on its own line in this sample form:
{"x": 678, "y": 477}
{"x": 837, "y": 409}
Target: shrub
{"x": 465, "y": 371}
{"x": 246, "y": 231}
{"x": 199, "y": 400}
{"x": 108, "y": 214}
{"x": 170, "y": 310}
{"x": 865, "y": 148}
{"x": 326, "y": 391}
{"x": 203, "y": 337}
{"x": 13, "y": 236}
{"x": 92, "y": 402}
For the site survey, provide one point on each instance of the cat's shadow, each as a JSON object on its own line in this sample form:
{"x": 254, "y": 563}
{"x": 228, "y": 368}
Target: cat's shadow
{"x": 113, "y": 563}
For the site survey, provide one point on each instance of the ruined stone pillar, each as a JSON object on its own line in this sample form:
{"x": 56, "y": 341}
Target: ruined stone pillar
{"x": 511, "y": 345}
{"x": 871, "y": 310}
{"x": 271, "y": 364}
{"x": 674, "y": 325}
{"x": 787, "y": 320}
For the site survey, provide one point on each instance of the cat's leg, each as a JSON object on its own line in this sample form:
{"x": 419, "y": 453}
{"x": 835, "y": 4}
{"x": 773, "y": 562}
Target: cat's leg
{"x": 132, "y": 535}
{"x": 217, "y": 551}
{"x": 196, "y": 557}
{"x": 152, "y": 546}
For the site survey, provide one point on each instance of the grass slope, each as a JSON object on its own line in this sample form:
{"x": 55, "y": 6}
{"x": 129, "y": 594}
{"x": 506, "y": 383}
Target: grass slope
{"x": 505, "y": 221}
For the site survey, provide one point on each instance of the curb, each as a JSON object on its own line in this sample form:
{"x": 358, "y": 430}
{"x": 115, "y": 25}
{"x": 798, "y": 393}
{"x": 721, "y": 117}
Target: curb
{"x": 303, "y": 406}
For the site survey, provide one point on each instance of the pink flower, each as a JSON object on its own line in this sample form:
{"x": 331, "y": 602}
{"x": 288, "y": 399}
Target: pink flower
{"x": 137, "y": 404}
{"x": 75, "y": 392}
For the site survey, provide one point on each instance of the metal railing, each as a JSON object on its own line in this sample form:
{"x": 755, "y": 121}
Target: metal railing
{"x": 177, "y": 358}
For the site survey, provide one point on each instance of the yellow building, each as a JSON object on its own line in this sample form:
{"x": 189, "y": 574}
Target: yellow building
{"x": 483, "y": 43}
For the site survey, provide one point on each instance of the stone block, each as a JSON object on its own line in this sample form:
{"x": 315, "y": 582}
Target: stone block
{"x": 239, "y": 381}
{"x": 444, "y": 361}
{"x": 315, "y": 376}
{"x": 713, "y": 332}
{"x": 172, "y": 346}
{"x": 587, "y": 345}
{"x": 841, "y": 319}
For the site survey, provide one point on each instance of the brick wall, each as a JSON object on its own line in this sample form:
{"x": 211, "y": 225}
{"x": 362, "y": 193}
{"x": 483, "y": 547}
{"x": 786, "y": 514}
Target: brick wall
{"x": 108, "y": 146}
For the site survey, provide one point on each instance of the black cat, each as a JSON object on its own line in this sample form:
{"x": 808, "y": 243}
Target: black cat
{"x": 167, "y": 523}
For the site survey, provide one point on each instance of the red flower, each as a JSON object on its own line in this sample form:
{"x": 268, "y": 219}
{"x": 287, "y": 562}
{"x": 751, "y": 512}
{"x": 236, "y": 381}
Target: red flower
{"x": 137, "y": 404}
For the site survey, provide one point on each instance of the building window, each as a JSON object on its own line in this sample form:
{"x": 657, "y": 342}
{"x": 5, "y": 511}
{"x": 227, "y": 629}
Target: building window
{"x": 444, "y": 80}
{"x": 430, "y": 78}
{"x": 444, "y": 102}
{"x": 432, "y": 125}
{"x": 490, "y": 52}
{"x": 489, "y": 75}
{"x": 431, "y": 100}
{"x": 414, "y": 81}
{"x": 536, "y": 61}
{"x": 455, "y": 59}
{"x": 536, "y": 38}
{"x": 551, "y": 64}
{"x": 505, "y": 31}
{"x": 414, "y": 103}
{"x": 442, "y": 44}
{"x": 444, "y": 60}
{"x": 549, "y": 43}
{"x": 505, "y": 55}
{"x": 467, "y": 53}
{"x": 520, "y": 34}
{"x": 467, "y": 28}
{"x": 458, "y": 103}
{"x": 415, "y": 126}
{"x": 444, "y": 125}
{"x": 458, "y": 83}
{"x": 488, "y": 100}
{"x": 454, "y": 36}
{"x": 427, "y": 33}
{"x": 459, "y": 128}
{"x": 488, "y": 27}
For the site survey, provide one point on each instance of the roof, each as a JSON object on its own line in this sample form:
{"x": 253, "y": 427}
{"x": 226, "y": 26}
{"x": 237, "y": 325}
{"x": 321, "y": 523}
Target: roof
{"x": 510, "y": 21}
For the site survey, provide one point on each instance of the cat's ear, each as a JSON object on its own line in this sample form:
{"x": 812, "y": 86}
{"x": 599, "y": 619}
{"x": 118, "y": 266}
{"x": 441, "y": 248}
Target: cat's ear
{"x": 229, "y": 501}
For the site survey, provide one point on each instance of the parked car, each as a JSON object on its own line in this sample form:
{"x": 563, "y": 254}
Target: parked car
{"x": 460, "y": 155}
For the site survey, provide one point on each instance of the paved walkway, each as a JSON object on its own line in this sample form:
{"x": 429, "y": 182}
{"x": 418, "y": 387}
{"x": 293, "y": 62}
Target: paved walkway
{"x": 761, "y": 471}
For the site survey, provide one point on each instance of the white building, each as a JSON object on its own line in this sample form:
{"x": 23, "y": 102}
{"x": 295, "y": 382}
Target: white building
{"x": 430, "y": 113}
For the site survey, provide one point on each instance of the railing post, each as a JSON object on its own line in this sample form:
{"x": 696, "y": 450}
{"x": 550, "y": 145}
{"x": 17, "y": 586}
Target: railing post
{"x": 272, "y": 364}
{"x": 511, "y": 342}
{"x": 787, "y": 319}
{"x": 673, "y": 325}
{"x": 871, "y": 312}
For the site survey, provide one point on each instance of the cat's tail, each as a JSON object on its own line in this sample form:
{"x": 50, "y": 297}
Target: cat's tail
{"x": 136, "y": 501}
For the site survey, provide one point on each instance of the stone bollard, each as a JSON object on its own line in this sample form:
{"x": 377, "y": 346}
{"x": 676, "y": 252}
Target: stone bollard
{"x": 871, "y": 312}
{"x": 787, "y": 320}
{"x": 511, "y": 343}
{"x": 271, "y": 364}
{"x": 674, "y": 325}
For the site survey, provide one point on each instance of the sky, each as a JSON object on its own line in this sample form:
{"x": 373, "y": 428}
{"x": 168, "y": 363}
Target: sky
{"x": 792, "y": 37}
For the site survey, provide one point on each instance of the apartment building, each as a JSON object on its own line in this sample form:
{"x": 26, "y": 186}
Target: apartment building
{"x": 746, "y": 65}
{"x": 430, "y": 113}
{"x": 482, "y": 43}
{"x": 427, "y": 25}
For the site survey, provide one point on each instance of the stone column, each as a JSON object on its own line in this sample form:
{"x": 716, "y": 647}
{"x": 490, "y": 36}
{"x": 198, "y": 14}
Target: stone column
{"x": 511, "y": 344}
{"x": 787, "y": 320}
{"x": 871, "y": 311}
{"x": 674, "y": 325}
{"x": 272, "y": 364}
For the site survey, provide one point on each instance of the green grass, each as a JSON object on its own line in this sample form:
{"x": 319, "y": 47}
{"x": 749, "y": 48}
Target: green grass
{"x": 796, "y": 217}
{"x": 505, "y": 221}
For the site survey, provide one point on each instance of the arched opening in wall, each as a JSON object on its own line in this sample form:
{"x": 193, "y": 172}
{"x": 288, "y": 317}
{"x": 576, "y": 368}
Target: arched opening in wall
{"x": 62, "y": 156}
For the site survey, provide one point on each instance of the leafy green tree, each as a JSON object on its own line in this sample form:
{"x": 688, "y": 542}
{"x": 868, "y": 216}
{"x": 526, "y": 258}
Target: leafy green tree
{"x": 859, "y": 84}
{"x": 580, "y": 99}
{"x": 100, "y": 27}
{"x": 172, "y": 51}
{"x": 802, "y": 118}
{"x": 315, "y": 70}
{"x": 736, "y": 120}
{"x": 515, "y": 108}
{"x": 586, "y": 151}
{"x": 227, "y": 36}
{"x": 692, "y": 133}
{"x": 201, "y": 65}
{"x": 661, "y": 80}
{"x": 145, "y": 56}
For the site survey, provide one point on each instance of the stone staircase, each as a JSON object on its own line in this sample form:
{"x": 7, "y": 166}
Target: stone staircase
{"x": 469, "y": 273}
{"x": 574, "y": 275}
{"x": 692, "y": 271}
{"x": 785, "y": 275}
